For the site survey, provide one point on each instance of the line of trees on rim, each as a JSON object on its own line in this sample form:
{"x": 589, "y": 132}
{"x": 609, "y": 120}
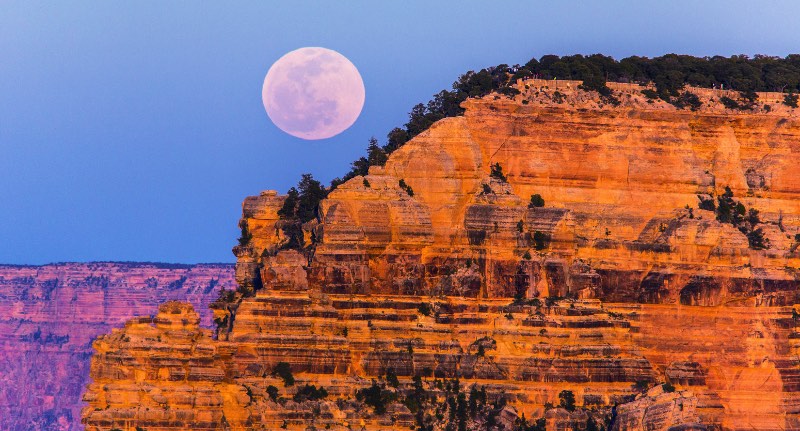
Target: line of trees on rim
{"x": 668, "y": 73}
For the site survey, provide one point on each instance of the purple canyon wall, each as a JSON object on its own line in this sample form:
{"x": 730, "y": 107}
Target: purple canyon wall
{"x": 49, "y": 316}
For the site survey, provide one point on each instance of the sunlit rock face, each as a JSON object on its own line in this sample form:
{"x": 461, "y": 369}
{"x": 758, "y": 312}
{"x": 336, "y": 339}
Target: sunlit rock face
{"x": 618, "y": 185}
{"x": 50, "y": 314}
{"x": 420, "y": 280}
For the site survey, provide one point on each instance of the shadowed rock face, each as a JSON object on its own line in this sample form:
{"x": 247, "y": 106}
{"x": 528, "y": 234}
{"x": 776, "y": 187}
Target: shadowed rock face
{"x": 50, "y": 314}
{"x": 422, "y": 283}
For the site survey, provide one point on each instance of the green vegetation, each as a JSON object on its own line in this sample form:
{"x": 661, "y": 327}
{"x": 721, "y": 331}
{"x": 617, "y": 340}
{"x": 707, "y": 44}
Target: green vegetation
{"x": 598, "y": 83}
{"x": 309, "y": 393}
{"x": 301, "y": 206}
{"x": 450, "y": 406}
{"x": 496, "y": 172}
{"x": 424, "y": 309}
{"x": 706, "y": 203}
{"x": 402, "y": 184}
{"x": 272, "y": 392}
{"x": 540, "y": 240}
{"x": 668, "y": 387}
{"x": 567, "y": 399}
{"x": 746, "y": 101}
{"x": 686, "y": 99}
{"x": 790, "y": 100}
{"x": 284, "y": 371}
{"x": 376, "y": 156}
{"x": 537, "y": 425}
{"x": 527, "y": 255}
{"x": 376, "y": 396}
{"x": 536, "y": 201}
{"x": 246, "y": 236}
{"x": 730, "y": 211}
{"x": 366, "y": 183}
{"x": 391, "y": 378}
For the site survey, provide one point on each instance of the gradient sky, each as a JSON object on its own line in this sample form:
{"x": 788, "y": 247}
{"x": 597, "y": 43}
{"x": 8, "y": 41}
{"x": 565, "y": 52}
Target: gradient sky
{"x": 133, "y": 130}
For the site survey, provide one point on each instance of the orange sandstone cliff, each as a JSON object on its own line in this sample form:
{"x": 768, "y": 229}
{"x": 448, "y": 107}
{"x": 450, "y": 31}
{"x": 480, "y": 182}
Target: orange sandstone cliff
{"x": 619, "y": 283}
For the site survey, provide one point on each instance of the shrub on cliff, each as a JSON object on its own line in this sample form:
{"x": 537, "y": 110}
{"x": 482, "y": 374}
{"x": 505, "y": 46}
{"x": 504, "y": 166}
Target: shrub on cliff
{"x": 567, "y": 400}
{"x": 496, "y": 172}
{"x": 540, "y": 240}
{"x": 391, "y": 378}
{"x": 272, "y": 393}
{"x": 309, "y": 393}
{"x": 730, "y": 211}
{"x": 424, "y": 309}
{"x": 284, "y": 371}
{"x": 756, "y": 240}
{"x": 301, "y": 203}
{"x": 746, "y": 102}
{"x": 522, "y": 424}
{"x": 536, "y": 201}
{"x": 245, "y": 236}
{"x": 402, "y": 184}
{"x": 729, "y": 103}
{"x": 790, "y": 100}
{"x": 594, "y": 82}
{"x": 686, "y": 99}
{"x": 706, "y": 203}
{"x": 376, "y": 396}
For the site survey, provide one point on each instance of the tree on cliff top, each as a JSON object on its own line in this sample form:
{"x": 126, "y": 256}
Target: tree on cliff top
{"x": 300, "y": 206}
{"x": 302, "y": 202}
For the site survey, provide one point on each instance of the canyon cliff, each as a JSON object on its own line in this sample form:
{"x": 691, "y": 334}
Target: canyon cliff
{"x": 51, "y": 314}
{"x": 540, "y": 247}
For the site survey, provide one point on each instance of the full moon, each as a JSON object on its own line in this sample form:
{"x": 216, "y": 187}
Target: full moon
{"x": 313, "y": 93}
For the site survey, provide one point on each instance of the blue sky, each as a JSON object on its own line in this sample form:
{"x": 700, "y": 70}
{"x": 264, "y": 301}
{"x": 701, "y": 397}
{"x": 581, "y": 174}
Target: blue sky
{"x": 133, "y": 130}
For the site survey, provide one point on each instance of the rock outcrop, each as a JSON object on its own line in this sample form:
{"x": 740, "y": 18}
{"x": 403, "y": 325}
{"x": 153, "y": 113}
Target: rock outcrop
{"x": 440, "y": 266}
{"x": 50, "y": 314}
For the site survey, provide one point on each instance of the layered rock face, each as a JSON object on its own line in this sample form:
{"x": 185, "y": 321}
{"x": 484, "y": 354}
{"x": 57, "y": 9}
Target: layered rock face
{"x": 50, "y": 314}
{"x": 435, "y": 268}
{"x": 156, "y": 377}
{"x": 621, "y": 219}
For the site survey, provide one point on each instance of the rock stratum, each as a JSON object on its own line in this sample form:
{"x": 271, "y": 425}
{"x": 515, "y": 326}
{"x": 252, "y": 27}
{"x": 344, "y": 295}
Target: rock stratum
{"x": 621, "y": 290}
{"x": 51, "y": 314}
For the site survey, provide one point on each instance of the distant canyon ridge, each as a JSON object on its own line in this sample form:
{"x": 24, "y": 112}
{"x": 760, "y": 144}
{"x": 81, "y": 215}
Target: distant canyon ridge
{"x": 50, "y": 314}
